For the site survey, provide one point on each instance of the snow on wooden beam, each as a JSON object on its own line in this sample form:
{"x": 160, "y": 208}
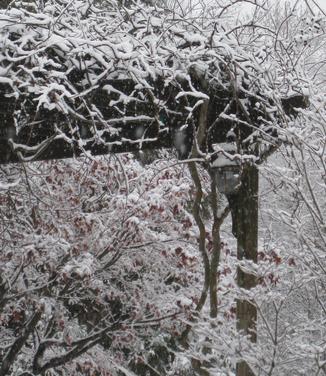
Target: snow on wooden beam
{"x": 29, "y": 133}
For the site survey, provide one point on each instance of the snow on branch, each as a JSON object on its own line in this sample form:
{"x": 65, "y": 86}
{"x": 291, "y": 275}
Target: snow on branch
{"x": 118, "y": 78}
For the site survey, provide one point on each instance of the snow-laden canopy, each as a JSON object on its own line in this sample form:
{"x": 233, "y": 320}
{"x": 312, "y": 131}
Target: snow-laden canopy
{"x": 88, "y": 76}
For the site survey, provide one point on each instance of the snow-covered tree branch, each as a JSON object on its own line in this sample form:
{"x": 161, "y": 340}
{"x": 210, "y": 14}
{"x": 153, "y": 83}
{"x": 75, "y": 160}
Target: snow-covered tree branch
{"x": 95, "y": 77}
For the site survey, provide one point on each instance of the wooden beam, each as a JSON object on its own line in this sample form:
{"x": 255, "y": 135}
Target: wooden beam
{"x": 30, "y": 133}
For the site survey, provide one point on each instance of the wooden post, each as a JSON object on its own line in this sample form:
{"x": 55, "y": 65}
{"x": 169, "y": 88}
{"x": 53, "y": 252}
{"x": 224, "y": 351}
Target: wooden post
{"x": 244, "y": 209}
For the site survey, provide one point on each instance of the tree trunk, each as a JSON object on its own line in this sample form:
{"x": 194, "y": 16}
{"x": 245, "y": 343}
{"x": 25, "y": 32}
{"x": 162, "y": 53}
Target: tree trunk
{"x": 244, "y": 209}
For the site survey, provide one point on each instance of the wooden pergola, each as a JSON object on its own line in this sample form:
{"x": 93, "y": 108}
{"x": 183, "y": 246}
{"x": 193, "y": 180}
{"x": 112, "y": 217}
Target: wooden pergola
{"x": 38, "y": 140}
{"x": 155, "y": 119}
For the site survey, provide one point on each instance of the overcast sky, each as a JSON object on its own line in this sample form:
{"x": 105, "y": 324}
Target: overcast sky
{"x": 247, "y": 8}
{"x": 322, "y": 4}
